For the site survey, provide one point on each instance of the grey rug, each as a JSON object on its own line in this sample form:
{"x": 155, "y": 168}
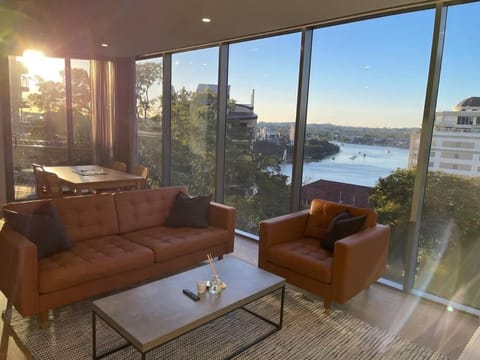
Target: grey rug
{"x": 307, "y": 333}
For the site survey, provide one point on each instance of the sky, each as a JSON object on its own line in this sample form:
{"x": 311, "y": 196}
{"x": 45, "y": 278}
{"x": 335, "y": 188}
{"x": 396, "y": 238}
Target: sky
{"x": 370, "y": 73}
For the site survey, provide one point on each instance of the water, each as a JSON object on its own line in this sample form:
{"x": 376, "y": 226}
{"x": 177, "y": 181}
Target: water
{"x": 354, "y": 164}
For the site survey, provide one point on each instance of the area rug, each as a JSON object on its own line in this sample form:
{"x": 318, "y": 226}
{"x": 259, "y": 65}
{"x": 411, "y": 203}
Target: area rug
{"x": 307, "y": 333}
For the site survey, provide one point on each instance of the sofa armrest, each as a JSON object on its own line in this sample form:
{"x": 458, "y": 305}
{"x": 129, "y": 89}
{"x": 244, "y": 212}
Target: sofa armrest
{"x": 223, "y": 217}
{"x": 280, "y": 229}
{"x": 19, "y": 271}
{"x": 359, "y": 260}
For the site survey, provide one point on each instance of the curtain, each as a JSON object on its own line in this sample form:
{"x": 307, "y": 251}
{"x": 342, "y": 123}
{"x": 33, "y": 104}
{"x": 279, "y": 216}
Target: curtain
{"x": 113, "y": 111}
{"x": 125, "y": 129}
{"x": 102, "y": 111}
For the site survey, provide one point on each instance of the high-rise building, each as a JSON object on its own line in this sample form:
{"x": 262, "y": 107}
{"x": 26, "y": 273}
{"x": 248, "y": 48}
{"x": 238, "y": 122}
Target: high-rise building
{"x": 456, "y": 140}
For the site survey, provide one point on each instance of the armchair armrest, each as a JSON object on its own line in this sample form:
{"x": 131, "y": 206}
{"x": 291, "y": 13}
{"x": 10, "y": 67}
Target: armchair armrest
{"x": 223, "y": 216}
{"x": 19, "y": 271}
{"x": 359, "y": 260}
{"x": 280, "y": 229}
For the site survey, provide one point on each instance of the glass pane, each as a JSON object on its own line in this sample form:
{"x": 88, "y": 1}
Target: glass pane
{"x": 194, "y": 119}
{"x": 39, "y": 128}
{"x": 367, "y": 91}
{"x": 449, "y": 240}
{"x": 149, "y": 117}
{"x": 82, "y": 112}
{"x": 263, "y": 78}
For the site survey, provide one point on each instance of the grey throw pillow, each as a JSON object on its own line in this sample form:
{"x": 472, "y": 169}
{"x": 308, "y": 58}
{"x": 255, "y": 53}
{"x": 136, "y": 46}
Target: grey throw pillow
{"x": 189, "y": 211}
{"x": 43, "y": 227}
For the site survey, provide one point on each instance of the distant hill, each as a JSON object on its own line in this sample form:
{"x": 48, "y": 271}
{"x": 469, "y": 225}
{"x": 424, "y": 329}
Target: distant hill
{"x": 398, "y": 137}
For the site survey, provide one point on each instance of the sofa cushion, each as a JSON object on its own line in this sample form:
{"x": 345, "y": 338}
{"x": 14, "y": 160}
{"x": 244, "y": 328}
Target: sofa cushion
{"x": 89, "y": 260}
{"x": 145, "y": 208}
{"x": 189, "y": 211}
{"x": 342, "y": 225}
{"x": 305, "y": 257}
{"x": 322, "y": 212}
{"x": 87, "y": 217}
{"x": 43, "y": 227}
{"x": 168, "y": 243}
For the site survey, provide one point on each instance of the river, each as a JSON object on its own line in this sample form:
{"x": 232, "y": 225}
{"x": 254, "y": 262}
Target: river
{"x": 354, "y": 164}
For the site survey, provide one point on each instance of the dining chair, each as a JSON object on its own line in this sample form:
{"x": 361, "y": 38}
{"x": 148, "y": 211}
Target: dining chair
{"x": 143, "y": 172}
{"x": 37, "y": 167}
{"x": 47, "y": 184}
{"x": 119, "y": 166}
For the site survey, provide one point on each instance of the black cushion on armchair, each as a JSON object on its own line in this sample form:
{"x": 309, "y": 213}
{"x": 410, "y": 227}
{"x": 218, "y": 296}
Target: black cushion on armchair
{"x": 342, "y": 225}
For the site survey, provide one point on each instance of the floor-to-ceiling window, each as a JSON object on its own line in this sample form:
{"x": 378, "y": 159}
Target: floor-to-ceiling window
{"x": 38, "y": 116}
{"x": 45, "y": 93}
{"x": 449, "y": 239}
{"x": 81, "y": 111}
{"x": 194, "y": 119}
{"x": 367, "y": 93}
{"x": 263, "y": 83}
{"x": 149, "y": 117}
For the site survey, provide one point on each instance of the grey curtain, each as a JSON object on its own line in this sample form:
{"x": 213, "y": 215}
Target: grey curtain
{"x": 125, "y": 129}
{"x": 114, "y": 121}
{"x": 102, "y": 111}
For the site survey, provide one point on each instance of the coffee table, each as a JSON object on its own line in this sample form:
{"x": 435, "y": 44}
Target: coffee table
{"x": 151, "y": 315}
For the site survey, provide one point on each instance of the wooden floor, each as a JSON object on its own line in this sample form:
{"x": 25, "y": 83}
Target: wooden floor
{"x": 426, "y": 323}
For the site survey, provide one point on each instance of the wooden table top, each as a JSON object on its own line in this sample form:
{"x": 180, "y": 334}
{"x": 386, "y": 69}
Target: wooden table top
{"x": 152, "y": 314}
{"x": 93, "y": 177}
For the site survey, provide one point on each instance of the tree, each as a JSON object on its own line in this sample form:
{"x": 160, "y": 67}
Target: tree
{"x": 147, "y": 74}
{"x": 50, "y": 99}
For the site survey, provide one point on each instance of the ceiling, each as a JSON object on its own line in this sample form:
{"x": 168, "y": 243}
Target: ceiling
{"x": 76, "y": 28}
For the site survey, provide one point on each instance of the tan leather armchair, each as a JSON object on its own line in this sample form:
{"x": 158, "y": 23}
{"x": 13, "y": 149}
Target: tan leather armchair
{"x": 290, "y": 247}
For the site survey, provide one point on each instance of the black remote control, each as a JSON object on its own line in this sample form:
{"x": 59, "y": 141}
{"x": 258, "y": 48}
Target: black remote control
{"x": 191, "y": 295}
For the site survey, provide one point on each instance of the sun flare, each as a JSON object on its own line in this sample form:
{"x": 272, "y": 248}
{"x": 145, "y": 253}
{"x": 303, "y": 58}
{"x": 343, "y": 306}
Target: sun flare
{"x": 38, "y": 64}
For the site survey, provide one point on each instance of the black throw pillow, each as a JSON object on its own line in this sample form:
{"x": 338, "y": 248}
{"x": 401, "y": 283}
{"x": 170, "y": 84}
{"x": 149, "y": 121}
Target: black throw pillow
{"x": 189, "y": 211}
{"x": 342, "y": 225}
{"x": 43, "y": 227}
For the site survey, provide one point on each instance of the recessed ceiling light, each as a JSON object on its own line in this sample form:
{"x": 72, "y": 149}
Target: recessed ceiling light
{"x": 206, "y": 20}
{"x": 104, "y": 45}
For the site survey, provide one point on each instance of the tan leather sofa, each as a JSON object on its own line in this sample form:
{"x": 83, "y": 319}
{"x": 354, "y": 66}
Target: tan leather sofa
{"x": 290, "y": 247}
{"x": 118, "y": 240}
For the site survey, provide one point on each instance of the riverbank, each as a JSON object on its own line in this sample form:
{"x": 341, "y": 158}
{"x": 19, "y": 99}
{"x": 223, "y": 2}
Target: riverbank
{"x": 354, "y": 164}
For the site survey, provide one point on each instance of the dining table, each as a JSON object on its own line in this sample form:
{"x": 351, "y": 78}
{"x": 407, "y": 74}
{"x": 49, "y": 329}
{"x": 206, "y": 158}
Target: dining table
{"x": 94, "y": 178}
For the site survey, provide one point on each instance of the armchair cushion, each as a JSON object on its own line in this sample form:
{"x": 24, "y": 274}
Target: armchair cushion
{"x": 304, "y": 257}
{"x": 342, "y": 225}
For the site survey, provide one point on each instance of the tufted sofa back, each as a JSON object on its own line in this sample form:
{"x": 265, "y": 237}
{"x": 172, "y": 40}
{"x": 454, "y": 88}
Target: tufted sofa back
{"x": 86, "y": 217}
{"x": 145, "y": 208}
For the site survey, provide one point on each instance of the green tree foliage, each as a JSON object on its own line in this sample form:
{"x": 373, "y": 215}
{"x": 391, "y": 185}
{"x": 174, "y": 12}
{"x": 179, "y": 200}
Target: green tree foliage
{"x": 392, "y": 197}
{"x": 147, "y": 74}
{"x": 194, "y": 140}
{"x": 449, "y": 231}
{"x": 449, "y": 198}
{"x": 149, "y": 120}
{"x": 50, "y": 99}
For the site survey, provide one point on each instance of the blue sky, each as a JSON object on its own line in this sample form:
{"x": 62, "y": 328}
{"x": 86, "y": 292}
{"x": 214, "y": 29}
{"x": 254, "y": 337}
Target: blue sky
{"x": 366, "y": 73}
{"x": 369, "y": 73}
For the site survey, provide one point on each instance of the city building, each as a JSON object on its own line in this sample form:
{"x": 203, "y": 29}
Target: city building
{"x": 455, "y": 145}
